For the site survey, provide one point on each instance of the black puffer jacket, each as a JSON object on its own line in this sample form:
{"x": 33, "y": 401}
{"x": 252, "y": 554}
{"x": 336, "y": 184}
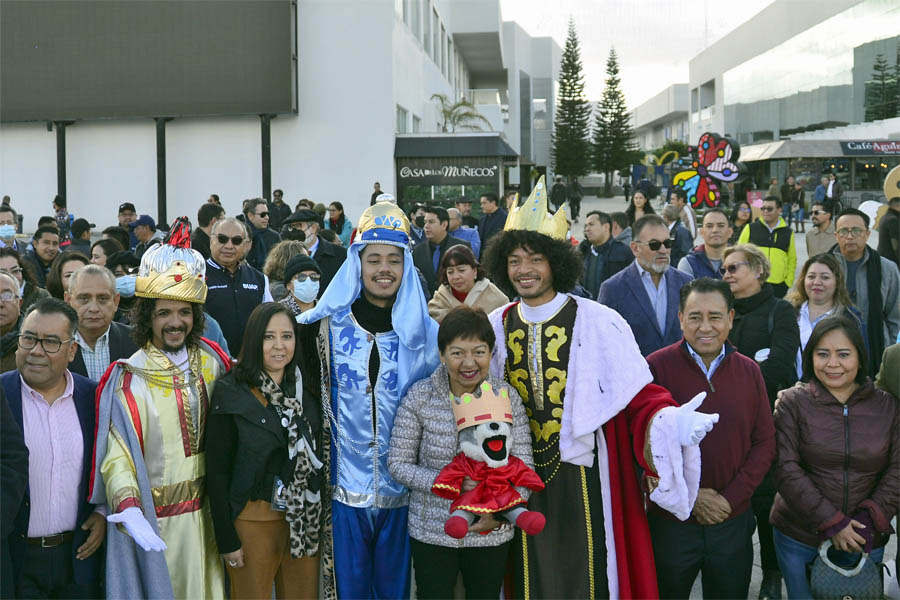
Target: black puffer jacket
{"x": 246, "y": 448}
{"x": 764, "y": 321}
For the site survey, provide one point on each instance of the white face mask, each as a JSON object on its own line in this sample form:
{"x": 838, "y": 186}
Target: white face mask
{"x": 306, "y": 291}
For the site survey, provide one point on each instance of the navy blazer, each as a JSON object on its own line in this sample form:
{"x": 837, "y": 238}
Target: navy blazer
{"x": 85, "y": 571}
{"x": 624, "y": 292}
{"x": 120, "y": 346}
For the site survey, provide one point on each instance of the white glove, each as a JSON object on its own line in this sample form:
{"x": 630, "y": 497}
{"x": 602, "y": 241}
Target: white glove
{"x": 138, "y": 528}
{"x": 693, "y": 425}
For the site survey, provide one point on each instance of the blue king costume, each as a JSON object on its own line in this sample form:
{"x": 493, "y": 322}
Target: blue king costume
{"x": 365, "y": 373}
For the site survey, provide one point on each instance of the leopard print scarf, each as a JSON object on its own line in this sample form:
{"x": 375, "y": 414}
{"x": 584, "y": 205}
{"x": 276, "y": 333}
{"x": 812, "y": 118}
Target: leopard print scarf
{"x": 302, "y": 494}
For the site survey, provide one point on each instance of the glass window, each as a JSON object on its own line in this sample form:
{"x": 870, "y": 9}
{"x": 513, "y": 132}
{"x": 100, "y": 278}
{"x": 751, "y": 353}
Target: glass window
{"x": 436, "y": 39}
{"x": 417, "y": 124}
{"x": 816, "y": 79}
{"x": 426, "y": 21}
{"x": 444, "y": 48}
{"x": 402, "y": 115}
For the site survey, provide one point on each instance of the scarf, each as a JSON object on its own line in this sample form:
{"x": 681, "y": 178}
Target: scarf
{"x": 875, "y": 319}
{"x": 303, "y": 493}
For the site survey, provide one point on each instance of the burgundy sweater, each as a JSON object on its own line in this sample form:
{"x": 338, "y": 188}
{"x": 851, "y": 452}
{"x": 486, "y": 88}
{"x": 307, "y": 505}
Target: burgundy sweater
{"x": 737, "y": 453}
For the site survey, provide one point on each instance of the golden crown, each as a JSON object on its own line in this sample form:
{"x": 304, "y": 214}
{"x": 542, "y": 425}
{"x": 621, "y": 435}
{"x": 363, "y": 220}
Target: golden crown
{"x": 470, "y": 410}
{"x": 383, "y": 222}
{"x": 535, "y": 216}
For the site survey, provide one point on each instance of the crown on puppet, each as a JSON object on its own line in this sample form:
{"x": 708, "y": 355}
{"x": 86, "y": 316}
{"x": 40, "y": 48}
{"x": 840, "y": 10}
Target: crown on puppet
{"x": 534, "y": 215}
{"x": 172, "y": 270}
{"x": 383, "y": 222}
{"x": 469, "y": 410}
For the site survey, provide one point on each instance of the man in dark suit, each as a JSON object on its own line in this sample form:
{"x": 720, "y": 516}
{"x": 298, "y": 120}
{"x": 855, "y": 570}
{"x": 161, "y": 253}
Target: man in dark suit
{"x": 646, "y": 293}
{"x": 57, "y": 533}
{"x": 604, "y": 256}
{"x": 100, "y": 340}
{"x": 493, "y": 217}
{"x": 13, "y": 483}
{"x": 427, "y": 253}
{"x": 256, "y": 216}
{"x": 328, "y": 256}
{"x": 682, "y": 242}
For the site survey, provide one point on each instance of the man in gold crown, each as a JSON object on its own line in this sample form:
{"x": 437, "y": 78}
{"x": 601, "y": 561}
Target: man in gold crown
{"x": 149, "y": 463}
{"x": 593, "y": 411}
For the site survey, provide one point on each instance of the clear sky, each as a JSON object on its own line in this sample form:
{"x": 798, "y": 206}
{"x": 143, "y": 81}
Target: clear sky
{"x": 654, "y": 39}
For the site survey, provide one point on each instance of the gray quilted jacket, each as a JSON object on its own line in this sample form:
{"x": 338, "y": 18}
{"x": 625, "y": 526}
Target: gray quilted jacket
{"x": 423, "y": 441}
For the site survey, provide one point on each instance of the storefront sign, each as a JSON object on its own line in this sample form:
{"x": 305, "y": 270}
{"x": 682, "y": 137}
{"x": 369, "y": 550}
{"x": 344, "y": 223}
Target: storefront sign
{"x": 870, "y": 148}
{"x": 448, "y": 171}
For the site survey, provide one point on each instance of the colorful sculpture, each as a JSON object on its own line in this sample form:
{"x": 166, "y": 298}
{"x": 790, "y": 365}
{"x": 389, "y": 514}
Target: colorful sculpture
{"x": 714, "y": 158}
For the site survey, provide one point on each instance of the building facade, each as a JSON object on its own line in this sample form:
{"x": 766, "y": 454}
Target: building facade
{"x": 366, "y": 74}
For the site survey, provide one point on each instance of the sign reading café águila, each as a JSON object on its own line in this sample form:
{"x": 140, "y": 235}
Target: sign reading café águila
{"x": 448, "y": 171}
{"x": 873, "y": 148}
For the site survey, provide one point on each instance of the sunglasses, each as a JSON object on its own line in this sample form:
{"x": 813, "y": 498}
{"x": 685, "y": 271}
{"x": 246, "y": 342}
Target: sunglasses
{"x": 304, "y": 277}
{"x": 768, "y": 208}
{"x": 655, "y": 244}
{"x": 732, "y": 268}
{"x": 263, "y": 215}
{"x": 237, "y": 240}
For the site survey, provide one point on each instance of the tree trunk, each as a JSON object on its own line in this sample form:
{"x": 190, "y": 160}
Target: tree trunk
{"x": 607, "y": 184}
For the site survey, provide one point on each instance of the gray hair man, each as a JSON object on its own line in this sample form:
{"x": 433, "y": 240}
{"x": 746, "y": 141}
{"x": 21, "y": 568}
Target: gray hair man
{"x": 100, "y": 340}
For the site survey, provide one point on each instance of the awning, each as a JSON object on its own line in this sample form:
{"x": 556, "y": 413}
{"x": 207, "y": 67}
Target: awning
{"x": 785, "y": 149}
{"x": 433, "y": 145}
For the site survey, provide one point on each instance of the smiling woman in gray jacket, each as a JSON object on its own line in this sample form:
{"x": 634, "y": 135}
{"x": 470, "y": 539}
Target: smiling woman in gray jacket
{"x": 424, "y": 440}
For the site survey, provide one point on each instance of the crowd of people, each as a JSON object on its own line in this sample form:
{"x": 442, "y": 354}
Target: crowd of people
{"x": 270, "y": 401}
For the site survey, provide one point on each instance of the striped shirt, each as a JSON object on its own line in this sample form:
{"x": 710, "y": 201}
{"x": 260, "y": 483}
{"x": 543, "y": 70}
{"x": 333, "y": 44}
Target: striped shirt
{"x": 96, "y": 359}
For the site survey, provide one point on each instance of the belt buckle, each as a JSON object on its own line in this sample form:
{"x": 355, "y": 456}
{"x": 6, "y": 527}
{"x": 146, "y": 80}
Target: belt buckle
{"x": 47, "y": 539}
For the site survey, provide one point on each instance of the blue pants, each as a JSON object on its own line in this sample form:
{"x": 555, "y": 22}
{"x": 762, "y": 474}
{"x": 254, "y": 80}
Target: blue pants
{"x": 794, "y": 556}
{"x": 371, "y": 552}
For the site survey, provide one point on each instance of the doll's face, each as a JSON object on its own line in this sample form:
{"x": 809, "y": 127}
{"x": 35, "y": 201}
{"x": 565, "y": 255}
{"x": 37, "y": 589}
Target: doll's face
{"x": 487, "y": 442}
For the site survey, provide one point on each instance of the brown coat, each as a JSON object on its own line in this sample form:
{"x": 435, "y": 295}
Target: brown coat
{"x": 484, "y": 295}
{"x": 835, "y": 459}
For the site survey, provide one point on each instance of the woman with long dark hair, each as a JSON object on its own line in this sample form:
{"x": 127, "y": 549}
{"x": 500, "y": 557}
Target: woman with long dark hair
{"x": 338, "y": 222}
{"x": 838, "y": 465}
{"x": 61, "y": 270}
{"x": 101, "y": 250}
{"x": 265, "y": 464}
{"x": 740, "y": 218}
{"x": 638, "y": 207}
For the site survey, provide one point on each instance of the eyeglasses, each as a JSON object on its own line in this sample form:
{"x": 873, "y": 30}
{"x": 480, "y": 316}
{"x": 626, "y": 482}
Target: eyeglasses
{"x": 816, "y": 213}
{"x": 304, "y": 276}
{"x": 655, "y": 244}
{"x": 852, "y": 232}
{"x": 50, "y": 345}
{"x": 8, "y": 297}
{"x": 263, "y": 214}
{"x": 743, "y": 209}
{"x": 768, "y": 208}
{"x": 237, "y": 240}
{"x": 13, "y": 271}
{"x": 732, "y": 268}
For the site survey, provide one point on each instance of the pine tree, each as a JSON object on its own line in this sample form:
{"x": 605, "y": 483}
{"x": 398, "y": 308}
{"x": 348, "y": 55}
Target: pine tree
{"x": 881, "y": 91}
{"x": 613, "y": 148}
{"x": 570, "y": 146}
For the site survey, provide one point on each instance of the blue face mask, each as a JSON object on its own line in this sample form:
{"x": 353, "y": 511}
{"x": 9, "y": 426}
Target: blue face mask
{"x": 7, "y": 231}
{"x": 125, "y": 285}
{"x": 306, "y": 291}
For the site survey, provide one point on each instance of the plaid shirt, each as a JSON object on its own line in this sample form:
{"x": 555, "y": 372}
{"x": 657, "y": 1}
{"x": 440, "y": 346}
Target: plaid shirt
{"x": 97, "y": 360}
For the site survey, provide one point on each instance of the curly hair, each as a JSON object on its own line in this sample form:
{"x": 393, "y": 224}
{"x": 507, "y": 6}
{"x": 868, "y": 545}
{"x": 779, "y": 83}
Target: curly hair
{"x": 566, "y": 263}
{"x": 142, "y": 318}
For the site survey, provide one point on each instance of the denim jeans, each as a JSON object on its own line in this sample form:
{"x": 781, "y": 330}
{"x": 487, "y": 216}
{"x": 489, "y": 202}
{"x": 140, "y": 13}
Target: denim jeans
{"x": 794, "y": 556}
